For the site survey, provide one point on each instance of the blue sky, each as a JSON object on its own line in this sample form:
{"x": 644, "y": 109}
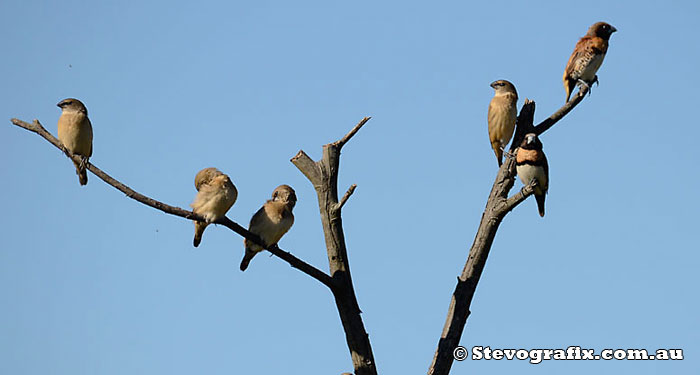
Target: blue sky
{"x": 94, "y": 283}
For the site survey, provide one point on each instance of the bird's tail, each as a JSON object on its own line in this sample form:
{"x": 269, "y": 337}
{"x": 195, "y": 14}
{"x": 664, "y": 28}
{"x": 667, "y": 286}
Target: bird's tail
{"x": 82, "y": 174}
{"x": 498, "y": 151}
{"x": 199, "y": 228}
{"x": 540, "y": 203}
{"x": 249, "y": 254}
{"x": 569, "y": 85}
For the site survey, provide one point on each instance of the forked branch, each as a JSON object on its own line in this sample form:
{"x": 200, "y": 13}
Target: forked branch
{"x": 323, "y": 175}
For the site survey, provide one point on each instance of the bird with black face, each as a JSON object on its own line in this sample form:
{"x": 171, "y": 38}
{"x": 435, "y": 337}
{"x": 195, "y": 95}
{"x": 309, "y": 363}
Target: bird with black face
{"x": 271, "y": 221}
{"x": 587, "y": 57}
{"x": 75, "y": 132}
{"x": 531, "y": 163}
{"x": 502, "y": 116}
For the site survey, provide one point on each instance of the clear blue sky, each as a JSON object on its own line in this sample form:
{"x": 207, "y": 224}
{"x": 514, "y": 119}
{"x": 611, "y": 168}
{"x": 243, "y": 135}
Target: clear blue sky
{"x": 94, "y": 283}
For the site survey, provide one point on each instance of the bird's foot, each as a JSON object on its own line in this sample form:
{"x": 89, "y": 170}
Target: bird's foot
{"x": 585, "y": 84}
{"x": 595, "y": 80}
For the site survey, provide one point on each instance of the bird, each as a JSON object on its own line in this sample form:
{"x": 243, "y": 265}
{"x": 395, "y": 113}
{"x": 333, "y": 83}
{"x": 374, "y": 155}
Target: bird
{"x": 215, "y": 196}
{"x": 75, "y": 132}
{"x": 502, "y": 115}
{"x": 270, "y": 222}
{"x": 531, "y": 163}
{"x": 587, "y": 57}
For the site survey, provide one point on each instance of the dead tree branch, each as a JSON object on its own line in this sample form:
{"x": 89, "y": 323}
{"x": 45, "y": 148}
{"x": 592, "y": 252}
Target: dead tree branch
{"x": 293, "y": 261}
{"x": 497, "y": 207}
{"x": 558, "y": 115}
{"x": 323, "y": 175}
{"x": 346, "y": 196}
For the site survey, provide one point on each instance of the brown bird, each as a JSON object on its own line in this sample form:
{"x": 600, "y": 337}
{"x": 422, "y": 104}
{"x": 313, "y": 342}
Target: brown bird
{"x": 531, "y": 163}
{"x": 502, "y": 116}
{"x": 271, "y": 221}
{"x": 215, "y": 196}
{"x": 587, "y": 57}
{"x": 75, "y": 132}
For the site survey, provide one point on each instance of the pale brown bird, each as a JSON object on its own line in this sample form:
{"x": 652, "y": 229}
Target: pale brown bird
{"x": 75, "y": 132}
{"x": 215, "y": 196}
{"x": 587, "y": 57}
{"x": 502, "y": 115}
{"x": 531, "y": 163}
{"x": 271, "y": 221}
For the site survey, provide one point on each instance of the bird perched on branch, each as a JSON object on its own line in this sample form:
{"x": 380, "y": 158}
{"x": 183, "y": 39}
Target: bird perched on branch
{"x": 587, "y": 57}
{"x": 271, "y": 221}
{"x": 531, "y": 163}
{"x": 75, "y": 132}
{"x": 502, "y": 115}
{"x": 215, "y": 196}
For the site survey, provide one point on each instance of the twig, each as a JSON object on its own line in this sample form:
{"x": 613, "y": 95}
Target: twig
{"x": 563, "y": 111}
{"x": 340, "y": 143}
{"x": 345, "y": 197}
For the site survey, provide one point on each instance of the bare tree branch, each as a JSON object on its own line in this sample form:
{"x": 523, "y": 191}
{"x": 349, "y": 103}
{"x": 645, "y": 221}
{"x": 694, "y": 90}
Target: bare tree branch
{"x": 293, "y": 261}
{"x": 307, "y": 166}
{"x": 340, "y": 143}
{"x": 497, "y": 207}
{"x": 346, "y": 196}
{"x": 326, "y": 187}
{"x": 516, "y": 199}
{"x": 559, "y": 114}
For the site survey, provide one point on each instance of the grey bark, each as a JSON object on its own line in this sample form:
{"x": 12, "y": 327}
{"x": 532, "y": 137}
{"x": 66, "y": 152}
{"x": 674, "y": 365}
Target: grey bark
{"x": 323, "y": 175}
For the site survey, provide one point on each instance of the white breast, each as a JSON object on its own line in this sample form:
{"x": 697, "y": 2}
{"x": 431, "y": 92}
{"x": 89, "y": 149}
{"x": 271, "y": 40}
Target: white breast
{"x": 528, "y": 172}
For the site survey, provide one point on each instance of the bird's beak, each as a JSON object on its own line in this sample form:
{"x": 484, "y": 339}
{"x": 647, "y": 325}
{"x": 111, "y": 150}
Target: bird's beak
{"x": 613, "y": 29}
{"x": 493, "y": 84}
{"x": 60, "y": 104}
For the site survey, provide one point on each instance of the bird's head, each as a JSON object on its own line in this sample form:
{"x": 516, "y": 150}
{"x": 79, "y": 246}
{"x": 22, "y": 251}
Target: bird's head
{"x": 205, "y": 176}
{"x": 72, "y": 105}
{"x": 285, "y": 194}
{"x": 602, "y": 30}
{"x": 502, "y": 87}
{"x": 531, "y": 142}
{"x": 221, "y": 180}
